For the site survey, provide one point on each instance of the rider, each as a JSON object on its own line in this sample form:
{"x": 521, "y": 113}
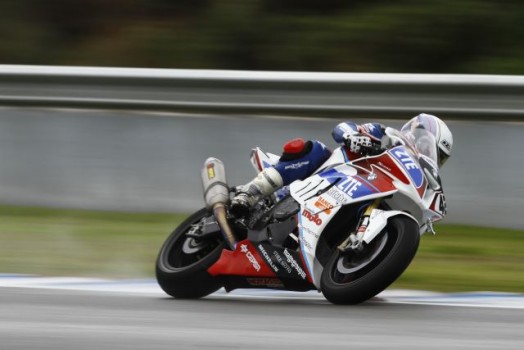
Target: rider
{"x": 301, "y": 158}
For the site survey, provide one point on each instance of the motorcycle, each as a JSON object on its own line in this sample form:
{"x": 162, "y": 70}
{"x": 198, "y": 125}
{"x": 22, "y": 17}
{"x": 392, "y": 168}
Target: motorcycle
{"x": 348, "y": 231}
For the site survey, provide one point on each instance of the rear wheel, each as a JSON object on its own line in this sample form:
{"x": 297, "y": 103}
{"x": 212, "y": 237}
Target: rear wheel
{"x": 181, "y": 266}
{"x": 356, "y": 276}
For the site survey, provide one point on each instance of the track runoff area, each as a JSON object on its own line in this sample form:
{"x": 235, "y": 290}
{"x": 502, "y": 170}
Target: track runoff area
{"x": 149, "y": 287}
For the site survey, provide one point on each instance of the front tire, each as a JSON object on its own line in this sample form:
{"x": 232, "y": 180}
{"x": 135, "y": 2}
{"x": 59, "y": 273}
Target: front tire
{"x": 352, "y": 278}
{"x": 181, "y": 266}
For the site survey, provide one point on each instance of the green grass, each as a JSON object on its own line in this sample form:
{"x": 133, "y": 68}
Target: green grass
{"x": 465, "y": 258}
{"x": 56, "y": 242}
{"x": 81, "y": 243}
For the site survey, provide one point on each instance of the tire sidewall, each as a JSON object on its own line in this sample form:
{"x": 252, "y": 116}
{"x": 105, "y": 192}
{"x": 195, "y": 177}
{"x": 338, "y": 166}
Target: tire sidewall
{"x": 192, "y": 281}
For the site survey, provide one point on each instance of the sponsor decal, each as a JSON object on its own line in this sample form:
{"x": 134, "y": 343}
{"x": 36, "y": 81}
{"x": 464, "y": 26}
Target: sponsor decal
{"x": 409, "y": 164}
{"x": 310, "y": 232}
{"x": 294, "y": 264}
{"x": 307, "y": 244}
{"x": 336, "y": 195}
{"x": 267, "y": 257}
{"x": 349, "y": 186}
{"x": 439, "y": 204}
{"x": 332, "y": 175}
{"x": 265, "y": 282}
{"x": 324, "y": 205}
{"x": 282, "y": 262}
{"x": 296, "y": 166}
{"x": 244, "y": 249}
{"x": 405, "y": 158}
{"x": 311, "y": 217}
{"x": 211, "y": 171}
{"x": 382, "y": 165}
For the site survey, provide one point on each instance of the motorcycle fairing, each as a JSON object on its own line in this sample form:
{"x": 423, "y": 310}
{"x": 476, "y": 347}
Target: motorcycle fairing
{"x": 286, "y": 263}
{"x": 261, "y": 265}
{"x": 400, "y": 164}
{"x": 261, "y": 160}
{"x": 435, "y": 203}
{"x": 243, "y": 261}
{"x": 341, "y": 185}
{"x": 408, "y": 164}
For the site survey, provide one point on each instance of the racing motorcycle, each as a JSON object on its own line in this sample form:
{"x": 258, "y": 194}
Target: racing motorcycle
{"x": 348, "y": 231}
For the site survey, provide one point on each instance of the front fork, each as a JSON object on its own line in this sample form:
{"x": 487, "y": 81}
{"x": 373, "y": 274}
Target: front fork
{"x": 355, "y": 239}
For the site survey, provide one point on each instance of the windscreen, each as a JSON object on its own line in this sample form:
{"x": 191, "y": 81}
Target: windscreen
{"x": 423, "y": 142}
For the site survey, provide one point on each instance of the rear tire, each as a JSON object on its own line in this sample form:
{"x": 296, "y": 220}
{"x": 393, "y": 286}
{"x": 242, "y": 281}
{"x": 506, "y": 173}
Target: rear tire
{"x": 350, "y": 278}
{"x": 182, "y": 263}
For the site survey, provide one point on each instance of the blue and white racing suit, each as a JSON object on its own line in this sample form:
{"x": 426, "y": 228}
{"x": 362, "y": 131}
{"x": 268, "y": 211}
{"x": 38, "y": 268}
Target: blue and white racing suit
{"x": 301, "y": 158}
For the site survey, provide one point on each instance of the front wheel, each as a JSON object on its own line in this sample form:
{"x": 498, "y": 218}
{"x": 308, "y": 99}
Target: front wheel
{"x": 356, "y": 276}
{"x": 181, "y": 266}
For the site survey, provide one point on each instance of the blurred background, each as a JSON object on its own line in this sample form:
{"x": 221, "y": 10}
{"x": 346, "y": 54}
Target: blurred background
{"x": 433, "y": 36}
{"x": 95, "y": 192}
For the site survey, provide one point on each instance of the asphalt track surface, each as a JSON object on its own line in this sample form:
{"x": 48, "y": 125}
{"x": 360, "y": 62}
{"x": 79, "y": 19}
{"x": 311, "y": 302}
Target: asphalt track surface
{"x": 100, "y": 315}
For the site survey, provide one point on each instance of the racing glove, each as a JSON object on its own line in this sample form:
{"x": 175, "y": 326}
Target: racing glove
{"x": 357, "y": 142}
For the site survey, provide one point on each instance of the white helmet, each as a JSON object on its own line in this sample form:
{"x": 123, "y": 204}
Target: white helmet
{"x": 438, "y": 128}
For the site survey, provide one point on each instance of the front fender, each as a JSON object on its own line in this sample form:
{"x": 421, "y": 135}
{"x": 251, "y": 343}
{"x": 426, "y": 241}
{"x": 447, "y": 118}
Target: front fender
{"x": 378, "y": 220}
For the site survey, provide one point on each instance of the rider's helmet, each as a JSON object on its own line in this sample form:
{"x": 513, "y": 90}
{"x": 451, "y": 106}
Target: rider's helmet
{"x": 436, "y": 127}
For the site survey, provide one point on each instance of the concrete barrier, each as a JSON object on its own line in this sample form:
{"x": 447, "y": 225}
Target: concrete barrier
{"x": 151, "y": 161}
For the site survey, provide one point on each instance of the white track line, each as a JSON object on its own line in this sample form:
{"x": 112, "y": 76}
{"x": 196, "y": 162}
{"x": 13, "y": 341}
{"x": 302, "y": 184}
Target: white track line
{"x": 149, "y": 287}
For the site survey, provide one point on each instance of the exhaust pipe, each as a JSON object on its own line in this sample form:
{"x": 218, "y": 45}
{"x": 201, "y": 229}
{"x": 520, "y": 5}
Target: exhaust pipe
{"x": 216, "y": 196}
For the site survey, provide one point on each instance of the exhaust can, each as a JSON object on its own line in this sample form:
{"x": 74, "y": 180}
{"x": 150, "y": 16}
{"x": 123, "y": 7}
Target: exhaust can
{"x": 214, "y": 182}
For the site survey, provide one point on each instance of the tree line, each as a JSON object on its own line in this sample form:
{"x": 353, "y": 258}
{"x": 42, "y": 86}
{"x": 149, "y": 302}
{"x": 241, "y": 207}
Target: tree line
{"x": 431, "y": 36}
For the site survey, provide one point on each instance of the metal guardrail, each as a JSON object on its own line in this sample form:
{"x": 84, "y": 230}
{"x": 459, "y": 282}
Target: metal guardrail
{"x": 284, "y": 93}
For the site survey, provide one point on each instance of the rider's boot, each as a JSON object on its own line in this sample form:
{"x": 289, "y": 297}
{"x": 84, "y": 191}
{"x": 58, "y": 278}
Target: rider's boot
{"x": 268, "y": 181}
